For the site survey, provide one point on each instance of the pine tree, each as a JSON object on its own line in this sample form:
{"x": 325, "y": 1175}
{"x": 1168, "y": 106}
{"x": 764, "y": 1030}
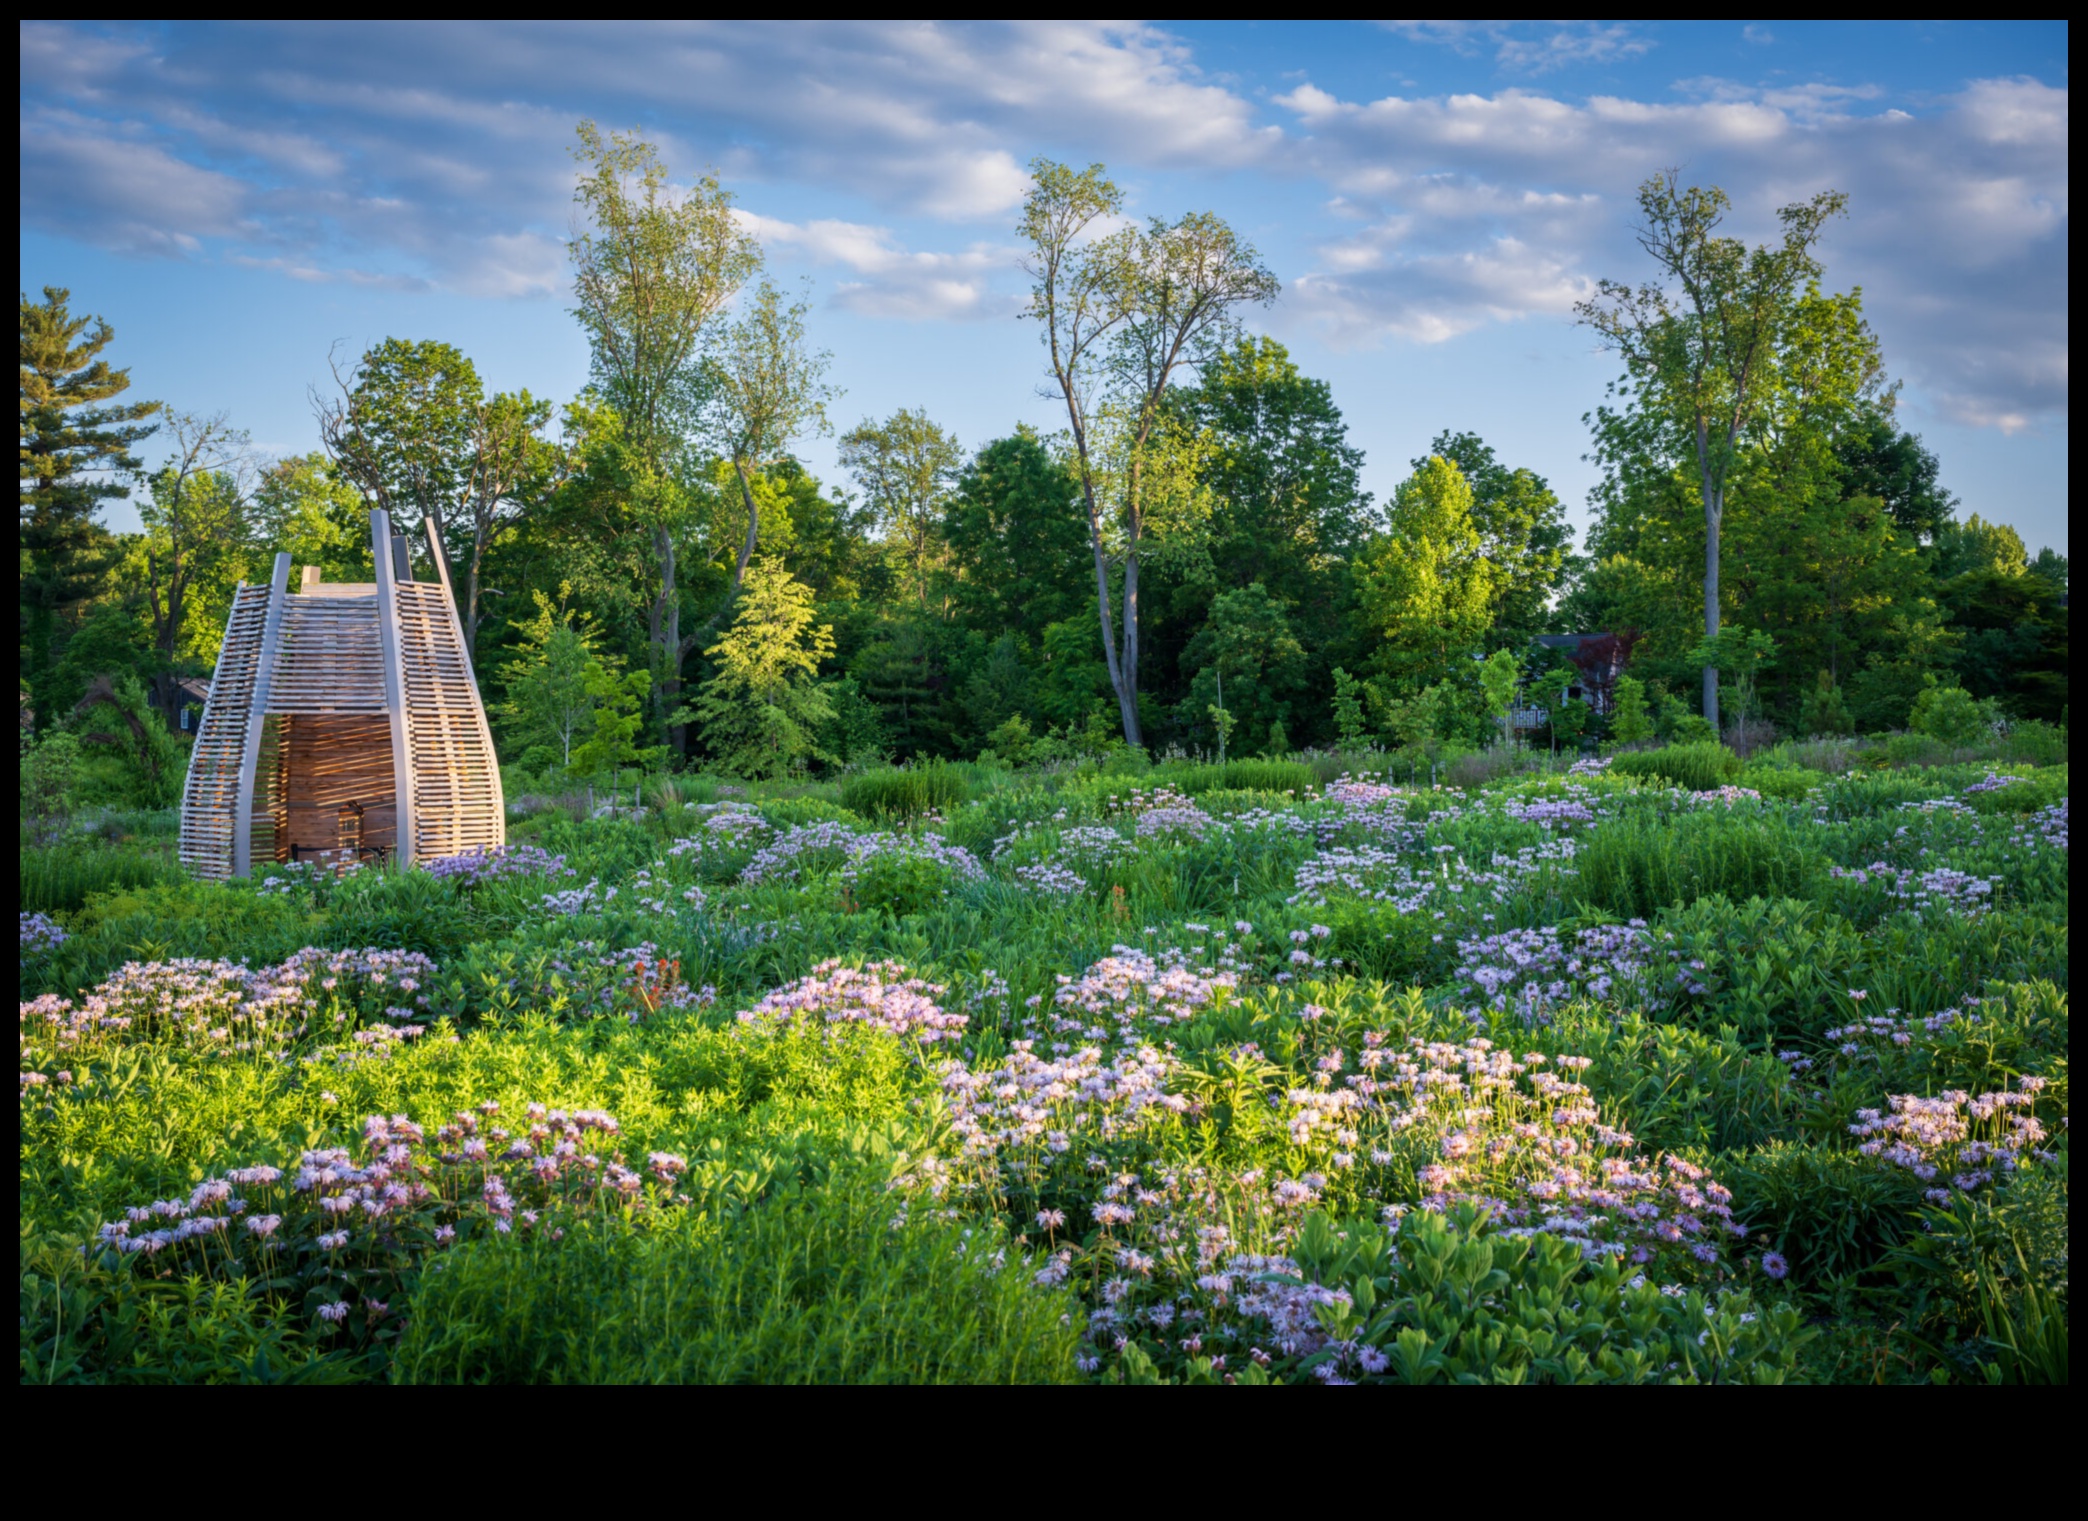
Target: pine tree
{"x": 73, "y": 443}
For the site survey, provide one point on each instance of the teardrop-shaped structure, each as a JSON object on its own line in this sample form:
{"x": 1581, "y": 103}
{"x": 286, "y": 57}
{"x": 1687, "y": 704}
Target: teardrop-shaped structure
{"x": 343, "y": 725}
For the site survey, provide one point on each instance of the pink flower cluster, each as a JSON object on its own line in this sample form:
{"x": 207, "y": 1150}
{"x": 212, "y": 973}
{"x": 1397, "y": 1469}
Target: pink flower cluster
{"x": 1126, "y": 995}
{"x": 1934, "y": 1136}
{"x": 365, "y": 1224}
{"x": 1529, "y": 971}
{"x": 881, "y": 995}
{"x": 1026, "y": 1112}
{"x": 221, "y": 1007}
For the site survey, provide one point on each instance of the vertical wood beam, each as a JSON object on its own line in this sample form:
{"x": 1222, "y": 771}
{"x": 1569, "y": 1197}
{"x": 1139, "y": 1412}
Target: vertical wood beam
{"x": 382, "y": 548}
{"x": 257, "y": 721}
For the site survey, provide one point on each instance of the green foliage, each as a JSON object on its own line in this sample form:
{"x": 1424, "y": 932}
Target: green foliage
{"x": 1636, "y": 866}
{"x": 60, "y": 878}
{"x": 1630, "y": 721}
{"x": 1949, "y": 714}
{"x": 905, "y": 793}
{"x": 1824, "y": 711}
{"x": 761, "y": 709}
{"x": 806, "y": 1287}
{"x": 1350, "y": 726}
{"x": 1426, "y": 587}
{"x": 1698, "y": 767}
{"x": 1457, "y": 1303}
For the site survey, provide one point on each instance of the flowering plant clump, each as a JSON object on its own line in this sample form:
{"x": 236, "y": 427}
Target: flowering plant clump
{"x": 40, "y": 935}
{"x": 1550, "y": 812}
{"x": 1941, "y": 887}
{"x": 1529, "y": 971}
{"x": 1126, "y": 996}
{"x": 1588, "y": 765}
{"x": 633, "y": 983}
{"x": 591, "y": 899}
{"x": 1975, "y": 1141}
{"x": 822, "y": 846}
{"x": 1993, "y": 783}
{"x": 219, "y": 1008}
{"x": 1726, "y": 796}
{"x": 474, "y": 866}
{"x": 1051, "y": 880}
{"x": 346, "y": 1238}
{"x": 1380, "y": 876}
{"x": 1014, "y": 1121}
{"x": 881, "y": 995}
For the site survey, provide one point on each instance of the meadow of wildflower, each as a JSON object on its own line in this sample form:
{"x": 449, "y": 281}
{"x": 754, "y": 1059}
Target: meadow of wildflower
{"x": 1119, "y": 1073}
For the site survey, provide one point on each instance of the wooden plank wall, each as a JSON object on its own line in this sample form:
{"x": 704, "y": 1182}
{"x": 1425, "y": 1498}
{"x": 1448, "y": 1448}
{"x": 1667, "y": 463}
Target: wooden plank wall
{"x": 457, "y": 803}
{"x": 209, "y": 795}
{"x": 337, "y": 760}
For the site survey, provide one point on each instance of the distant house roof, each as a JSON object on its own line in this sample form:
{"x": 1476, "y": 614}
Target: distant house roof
{"x": 1567, "y": 641}
{"x": 194, "y": 688}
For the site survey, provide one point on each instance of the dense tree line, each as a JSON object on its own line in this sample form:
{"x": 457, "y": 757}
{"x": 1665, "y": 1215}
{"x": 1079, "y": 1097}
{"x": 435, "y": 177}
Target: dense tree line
{"x": 648, "y": 575}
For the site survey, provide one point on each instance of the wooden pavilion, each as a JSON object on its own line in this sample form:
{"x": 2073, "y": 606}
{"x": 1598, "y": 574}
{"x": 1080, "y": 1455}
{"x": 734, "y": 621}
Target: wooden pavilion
{"x": 343, "y": 725}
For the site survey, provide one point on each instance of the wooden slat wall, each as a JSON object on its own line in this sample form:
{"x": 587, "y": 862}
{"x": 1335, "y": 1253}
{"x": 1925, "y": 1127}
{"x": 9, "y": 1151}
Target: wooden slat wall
{"x": 328, "y": 658}
{"x": 209, "y": 795}
{"x": 457, "y": 804}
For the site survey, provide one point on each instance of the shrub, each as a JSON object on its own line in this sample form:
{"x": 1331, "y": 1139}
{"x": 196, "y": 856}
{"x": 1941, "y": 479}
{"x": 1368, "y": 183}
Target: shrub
{"x": 1244, "y": 776}
{"x": 830, "y": 1285}
{"x": 1949, "y": 714}
{"x": 1784, "y": 783}
{"x": 903, "y": 793}
{"x": 1699, "y": 767}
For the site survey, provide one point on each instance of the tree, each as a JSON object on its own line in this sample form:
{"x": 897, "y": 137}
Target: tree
{"x": 1425, "y": 586}
{"x": 1247, "y": 651}
{"x": 550, "y": 678}
{"x": 619, "y": 716}
{"x": 199, "y": 511}
{"x": 1824, "y": 712}
{"x": 769, "y": 388}
{"x": 1742, "y": 654}
{"x": 1015, "y": 536}
{"x": 303, "y": 507}
{"x": 1350, "y": 728}
{"x": 1705, "y": 351}
{"x": 1288, "y": 503}
{"x": 1879, "y": 461}
{"x": 905, "y": 466}
{"x": 652, "y": 272}
{"x": 762, "y": 707}
{"x": 76, "y": 447}
{"x": 414, "y": 430}
{"x": 1522, "y": 530}
{"x": 1498, "y": 678}
{"x": 1630, "y": 721}
{"x": 1123, "y": 315}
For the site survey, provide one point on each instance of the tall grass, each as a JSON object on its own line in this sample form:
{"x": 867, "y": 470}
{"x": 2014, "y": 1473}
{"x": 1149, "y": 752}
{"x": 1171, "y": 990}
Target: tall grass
{"x": 1700, "y": 768}
{"x": 903, "y": 793}
{"x": 60, "y": 878}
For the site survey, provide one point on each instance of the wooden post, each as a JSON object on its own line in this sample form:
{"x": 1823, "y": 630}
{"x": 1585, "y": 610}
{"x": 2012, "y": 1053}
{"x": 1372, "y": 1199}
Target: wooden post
{"x": 257, "y": 721}
{"x": 382, "y": 549}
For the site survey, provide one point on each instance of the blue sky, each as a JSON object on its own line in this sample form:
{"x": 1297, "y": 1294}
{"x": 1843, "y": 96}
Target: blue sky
{"x": 239, "y": 200}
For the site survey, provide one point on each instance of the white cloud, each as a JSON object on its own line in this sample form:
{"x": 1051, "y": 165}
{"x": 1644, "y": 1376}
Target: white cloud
{"x": 897, "y": 282}
{"x": 1531, "y": 47}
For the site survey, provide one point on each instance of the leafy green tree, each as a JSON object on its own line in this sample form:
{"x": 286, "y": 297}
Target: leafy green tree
{"x": 77, "y": 442}
{"x": 653, "y": 272}
{"x": 906, "y": 466}
{"x": 1701, "y": 346}
{"x": 1124, "y": 316}
{"x": 1288, "y": 501}
{"x": 414, "y": 430}
{"x": 1742, "y": 654}
{"x": 1825, "y": 712}
{"x": 1522, "y": 528}
{"x": 1425, "y": 586}
{"x": 998, "y": 687}
{"x": 550, "y": 682}
{"x": 302, "y": 506}
{"x": 762, "y": 708}
{"x": 1631, "y": 722}
{"x": 618, "y": 700}
{"x": 1879, "y": 461}
{"x": 1948, "y": 713}
{"x": 1499, "y": 677}
{"x": 1351, "y": 728}
{"x": 1016, "y": 536}
{"x": 115, "y": 715}
{"x": 1247, "y": 643}
{"x": 197, "y": 515}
